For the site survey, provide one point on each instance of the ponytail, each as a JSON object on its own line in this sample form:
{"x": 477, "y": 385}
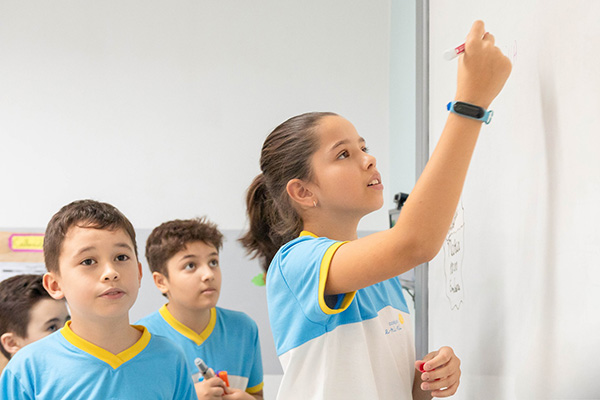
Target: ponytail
{"x": 286, "y": 155}
{"x": 259, "y": 240}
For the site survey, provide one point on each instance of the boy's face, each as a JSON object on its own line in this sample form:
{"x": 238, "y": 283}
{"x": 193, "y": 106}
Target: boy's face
{"x": 45, "y": 317}
{"x": 194, "y": 280}
{"x": 99, "y": 274}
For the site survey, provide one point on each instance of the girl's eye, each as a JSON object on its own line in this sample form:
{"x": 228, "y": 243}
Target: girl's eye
{"x": 88, "y": 261}
{"x": 52, "y": 328}
{"x": 365, "y": 149}
{"x": 343, "y": 154}
{"x": 122, "y": 257}
{"x": 213, "y": 263}
{"x": 189, "y": 266}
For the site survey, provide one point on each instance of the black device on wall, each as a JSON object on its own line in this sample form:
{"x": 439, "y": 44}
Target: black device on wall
{"x": 407, "y": 279}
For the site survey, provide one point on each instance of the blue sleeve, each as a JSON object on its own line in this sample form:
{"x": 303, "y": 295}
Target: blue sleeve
{"x": 11, "y": 387}
{"x": 255, "y": 380}
{"x": 303, "y": 268}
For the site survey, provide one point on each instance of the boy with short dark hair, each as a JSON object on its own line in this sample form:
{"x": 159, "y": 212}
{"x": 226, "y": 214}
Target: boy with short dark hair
{"x": 27, "y": 313}
{"x": 183, "y": 256}
{"x": 91, "y": 257}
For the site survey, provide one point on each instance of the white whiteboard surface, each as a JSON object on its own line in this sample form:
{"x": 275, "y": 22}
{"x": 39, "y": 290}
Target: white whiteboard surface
{"x": 526, "y": 320}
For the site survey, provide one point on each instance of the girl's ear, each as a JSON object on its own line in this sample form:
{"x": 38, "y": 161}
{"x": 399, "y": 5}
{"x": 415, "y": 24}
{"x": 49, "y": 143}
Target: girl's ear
{"x": 52, "y": 285}
{"x": 161, "y": 282}
{"x": 300, "y": 194}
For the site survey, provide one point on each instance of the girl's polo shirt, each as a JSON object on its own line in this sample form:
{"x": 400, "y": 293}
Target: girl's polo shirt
{"x": 357, "y": 345}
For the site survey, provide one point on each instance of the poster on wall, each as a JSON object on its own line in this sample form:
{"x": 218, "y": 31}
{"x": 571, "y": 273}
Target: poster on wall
{"x": 21, "y": 253}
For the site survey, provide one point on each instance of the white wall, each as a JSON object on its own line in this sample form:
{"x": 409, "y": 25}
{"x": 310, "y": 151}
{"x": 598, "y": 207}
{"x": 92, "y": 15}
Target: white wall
{"x": 161, "y": 107}
{"x": 402, "y": 96}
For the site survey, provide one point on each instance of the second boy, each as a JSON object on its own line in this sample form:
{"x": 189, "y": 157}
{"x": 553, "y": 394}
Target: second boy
{"x": 183, "y": 256}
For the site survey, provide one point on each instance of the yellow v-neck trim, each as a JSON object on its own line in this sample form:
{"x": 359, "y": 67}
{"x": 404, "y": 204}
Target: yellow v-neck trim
{"x": 188, "y": 332}
{"x": 114, "y": 360}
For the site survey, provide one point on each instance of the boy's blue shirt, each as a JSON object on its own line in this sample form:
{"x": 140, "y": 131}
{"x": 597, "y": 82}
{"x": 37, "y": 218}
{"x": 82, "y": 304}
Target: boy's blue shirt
{"x": 65, "y": 366}
{"x": 229, "y": 343}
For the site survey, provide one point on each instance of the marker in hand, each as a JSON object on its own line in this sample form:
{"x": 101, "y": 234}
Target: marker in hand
{"x": 451, "y": 54}
{"x": 205, "y": 371}
{"x": 224, "y": 377}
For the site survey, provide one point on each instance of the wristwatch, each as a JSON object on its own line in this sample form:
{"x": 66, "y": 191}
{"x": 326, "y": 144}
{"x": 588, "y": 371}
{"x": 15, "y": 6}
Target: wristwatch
{"x": 471, "y": 111}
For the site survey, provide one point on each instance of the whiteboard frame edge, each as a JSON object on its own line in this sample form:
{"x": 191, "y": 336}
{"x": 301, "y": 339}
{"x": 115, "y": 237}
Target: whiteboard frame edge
{"x": 422, "y": 156}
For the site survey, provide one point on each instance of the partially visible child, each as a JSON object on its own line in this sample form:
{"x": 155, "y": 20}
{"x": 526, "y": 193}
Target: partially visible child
{"x": 27, "y": 313}
{"x": 91, "y": 257}
{"x": 183, "y": 256}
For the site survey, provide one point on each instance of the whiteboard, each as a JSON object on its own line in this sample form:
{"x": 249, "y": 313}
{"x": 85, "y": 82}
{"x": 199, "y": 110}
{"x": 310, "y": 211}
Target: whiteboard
{"x": 515, "y": 289}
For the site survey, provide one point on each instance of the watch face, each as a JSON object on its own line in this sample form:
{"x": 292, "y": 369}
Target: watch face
{"x": 469, "y": 110}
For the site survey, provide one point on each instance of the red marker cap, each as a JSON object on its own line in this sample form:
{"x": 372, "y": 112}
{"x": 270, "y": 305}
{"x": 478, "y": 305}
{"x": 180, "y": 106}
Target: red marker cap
{"x": 223, "y": 376}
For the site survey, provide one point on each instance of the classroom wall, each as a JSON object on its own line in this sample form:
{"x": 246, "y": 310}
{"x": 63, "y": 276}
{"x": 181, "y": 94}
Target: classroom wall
{"x": 402, "y": 147}
{"x": 161, "y": 109}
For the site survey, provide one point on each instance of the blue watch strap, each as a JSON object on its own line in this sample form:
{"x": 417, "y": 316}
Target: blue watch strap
{"x": 470, "y": 111}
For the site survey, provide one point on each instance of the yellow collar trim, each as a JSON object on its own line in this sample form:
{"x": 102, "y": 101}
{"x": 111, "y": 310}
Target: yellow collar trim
{"x": 114, "y": 360}
{"x": 323, "y": 272}
{"x": 188, "y": 332}
{"x": 307, "y": 233}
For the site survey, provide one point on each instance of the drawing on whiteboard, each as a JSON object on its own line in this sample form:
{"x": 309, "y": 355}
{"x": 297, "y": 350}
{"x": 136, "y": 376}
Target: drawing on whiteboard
{"x": 453, "y": 259}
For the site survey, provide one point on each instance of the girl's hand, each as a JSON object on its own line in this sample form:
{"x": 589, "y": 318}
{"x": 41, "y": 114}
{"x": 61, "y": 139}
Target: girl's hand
{"x": 482, "y": 69}
{"x": 210, "y": 389}
{"x": 442, "y": 372}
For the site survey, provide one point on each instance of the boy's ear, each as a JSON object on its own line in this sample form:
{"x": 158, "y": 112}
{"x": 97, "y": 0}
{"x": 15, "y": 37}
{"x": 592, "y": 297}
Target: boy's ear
{"x": 140, "y": 270}
{"x": 11, "y": 342}
{"x": 161, "y": 282}
{"x": 300, "y": 194}
{"x": 52, "y": 286}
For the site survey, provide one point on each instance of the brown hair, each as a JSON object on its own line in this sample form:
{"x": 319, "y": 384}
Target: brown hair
{"x": 83, "y": 213}
{"x": 285, "y": 155}
{"x": 171, "y": 237}
{"x": 18, "y": 295}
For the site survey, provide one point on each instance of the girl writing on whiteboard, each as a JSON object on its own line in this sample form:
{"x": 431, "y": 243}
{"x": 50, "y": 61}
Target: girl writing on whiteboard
{"x": 339, "y": 319}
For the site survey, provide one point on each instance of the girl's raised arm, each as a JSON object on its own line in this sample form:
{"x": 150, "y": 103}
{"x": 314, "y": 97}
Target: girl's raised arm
{"x": 426, "y": 216}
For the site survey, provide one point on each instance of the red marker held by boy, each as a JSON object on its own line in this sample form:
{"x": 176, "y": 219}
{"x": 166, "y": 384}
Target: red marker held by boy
{"x": 223, "y": 376}
{"x": 208, "y": 373}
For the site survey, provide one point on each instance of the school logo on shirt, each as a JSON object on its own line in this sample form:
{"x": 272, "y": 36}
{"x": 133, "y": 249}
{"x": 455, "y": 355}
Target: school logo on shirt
{"x": 395, "y": 325}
